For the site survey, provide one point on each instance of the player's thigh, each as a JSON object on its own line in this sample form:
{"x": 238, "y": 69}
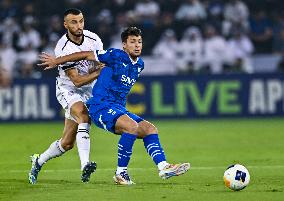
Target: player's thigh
{"x": 79, "y": 111}
{"x": 125, "y": 124}
{"x": 67, "y": 96}
{"x": 69, "y": 132}
{"x": 146, "y": 128}
{"x": 108, "y": 116}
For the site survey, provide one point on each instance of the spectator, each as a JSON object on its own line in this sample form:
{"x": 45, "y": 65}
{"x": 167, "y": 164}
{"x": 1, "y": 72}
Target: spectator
{"x": 235, "y": 13}
{"x": 27, "y": 59}
{"x": 191, "y": 48}
{"x": 147, "y": 12}
{"x": 167, "y": 46}
{"x": 241, "y": 48}
{"x": 104, "y": 21}
{"x": 8, "y": 30}
{"x": 29, "y": 36}
{"x": 55, "y": 29}
{"x": 8, "y": 57}
{"x": 215, "y": 51}
{"x": 215, "y": 10}
{"x": 192, "y": 10}
{"x": 261, "y": 32}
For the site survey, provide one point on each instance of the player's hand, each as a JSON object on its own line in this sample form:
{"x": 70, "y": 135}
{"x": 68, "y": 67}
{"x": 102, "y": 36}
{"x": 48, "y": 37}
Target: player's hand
{"x": 98, "y": 67}
{"x": 47, "y": 61}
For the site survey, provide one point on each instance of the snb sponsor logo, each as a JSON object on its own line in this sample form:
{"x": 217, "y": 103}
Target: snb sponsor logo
{"x": 127, "y": 80}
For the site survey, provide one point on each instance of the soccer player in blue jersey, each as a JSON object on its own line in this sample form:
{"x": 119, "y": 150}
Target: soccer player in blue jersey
{"x": 107, "y": 104}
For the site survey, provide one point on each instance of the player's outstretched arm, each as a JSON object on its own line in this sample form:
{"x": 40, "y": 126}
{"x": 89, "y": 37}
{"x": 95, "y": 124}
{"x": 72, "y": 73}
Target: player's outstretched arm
{"x": 49, "y": 61}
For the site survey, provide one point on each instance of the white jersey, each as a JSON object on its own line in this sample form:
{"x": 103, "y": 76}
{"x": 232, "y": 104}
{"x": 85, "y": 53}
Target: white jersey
{"x": 65, "y": 46}
{"x": 66, "y": 92}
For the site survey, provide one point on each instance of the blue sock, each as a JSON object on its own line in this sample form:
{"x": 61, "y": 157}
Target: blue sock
{"x": 125, "y": 145}
{"x": 154, "y": 148}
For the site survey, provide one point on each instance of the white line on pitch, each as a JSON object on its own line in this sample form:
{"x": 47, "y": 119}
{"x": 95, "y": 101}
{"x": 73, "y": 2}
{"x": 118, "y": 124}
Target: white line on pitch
{"x": 147, "y": 169}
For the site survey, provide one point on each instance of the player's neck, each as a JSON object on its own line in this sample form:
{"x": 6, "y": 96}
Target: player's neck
{"x": 76, "y": 39}
{"x": 133, "y": 59}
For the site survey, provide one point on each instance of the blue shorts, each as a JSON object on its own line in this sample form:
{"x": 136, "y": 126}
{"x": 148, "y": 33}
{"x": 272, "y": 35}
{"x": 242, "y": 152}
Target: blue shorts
{"x": 105, "y": 117}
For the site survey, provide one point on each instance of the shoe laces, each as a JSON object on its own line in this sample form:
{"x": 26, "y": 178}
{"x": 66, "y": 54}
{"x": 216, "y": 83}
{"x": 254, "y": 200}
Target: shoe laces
{"x": 125, "y": 175}
{"x": 170, "y": 166}
{"x": 37, "y": 166}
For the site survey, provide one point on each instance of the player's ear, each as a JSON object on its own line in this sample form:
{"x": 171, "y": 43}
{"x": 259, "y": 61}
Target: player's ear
{"x": 65, "y": 24}
{"x": 123, "y": 45}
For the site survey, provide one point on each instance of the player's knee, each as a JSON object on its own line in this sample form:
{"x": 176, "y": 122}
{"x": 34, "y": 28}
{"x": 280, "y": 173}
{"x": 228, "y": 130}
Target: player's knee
{"x": 83, "y": 116}
{"x": 67, "y": 145}
{"x": 132, "y": 127}
{"x": 152, "y": 130}
{"x": 80, "y": 113}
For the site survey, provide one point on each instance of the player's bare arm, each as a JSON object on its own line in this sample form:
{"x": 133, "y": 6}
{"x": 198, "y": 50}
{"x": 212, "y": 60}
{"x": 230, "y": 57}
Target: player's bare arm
{"x": 48, "y": 61}
{"x": 80, "y": 80}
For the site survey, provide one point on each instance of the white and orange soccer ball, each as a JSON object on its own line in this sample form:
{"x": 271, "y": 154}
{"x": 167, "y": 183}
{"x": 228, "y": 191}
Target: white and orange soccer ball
{"x": 236, "y": 177}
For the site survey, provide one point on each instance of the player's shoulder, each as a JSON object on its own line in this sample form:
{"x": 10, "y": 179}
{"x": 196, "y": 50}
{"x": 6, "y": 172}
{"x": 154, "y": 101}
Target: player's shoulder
{"x": 115, "y": 50}
{"x": 91, "y": 35}
{"x": 140, "y": 61}
{"x": 61, "y": 43}
{"x": 112, "y": 51}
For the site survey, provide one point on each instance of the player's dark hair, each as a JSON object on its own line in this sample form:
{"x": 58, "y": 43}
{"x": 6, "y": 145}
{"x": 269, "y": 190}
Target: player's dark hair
{"x": 130, "y": 31}
{"x": 73, "y": 11}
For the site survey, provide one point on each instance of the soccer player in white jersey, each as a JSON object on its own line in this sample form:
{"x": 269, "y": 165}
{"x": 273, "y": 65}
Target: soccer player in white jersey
{"x": 73, "y": 88}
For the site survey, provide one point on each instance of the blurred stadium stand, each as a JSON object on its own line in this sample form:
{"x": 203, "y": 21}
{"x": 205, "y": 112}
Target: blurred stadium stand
{"x": 198, "y": 36}
{"x": 181, "y": 37}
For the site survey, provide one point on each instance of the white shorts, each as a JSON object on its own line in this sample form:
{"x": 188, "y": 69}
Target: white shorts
{"x": 68, "y": 95}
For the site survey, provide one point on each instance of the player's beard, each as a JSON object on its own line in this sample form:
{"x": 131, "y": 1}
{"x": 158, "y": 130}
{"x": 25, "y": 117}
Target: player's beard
{"x": 77, "y": 33}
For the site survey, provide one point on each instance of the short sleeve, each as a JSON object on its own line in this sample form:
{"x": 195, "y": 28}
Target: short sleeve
{"x": 59, "y": 52}
{"x": 105, "y": 56}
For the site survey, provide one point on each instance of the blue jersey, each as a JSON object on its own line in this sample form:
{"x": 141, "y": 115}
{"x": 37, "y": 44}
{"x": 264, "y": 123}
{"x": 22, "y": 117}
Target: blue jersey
{"x": 116, "y": 78}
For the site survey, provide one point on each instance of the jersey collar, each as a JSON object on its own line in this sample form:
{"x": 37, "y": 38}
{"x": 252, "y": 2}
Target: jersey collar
{"x": 132, "y": 61}
{"x": 74, "y": 41}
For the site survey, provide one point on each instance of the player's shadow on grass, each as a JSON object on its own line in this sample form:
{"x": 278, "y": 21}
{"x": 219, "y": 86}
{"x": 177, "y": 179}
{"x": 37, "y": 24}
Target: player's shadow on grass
{"x": 164, "y": 183}
{"x": 18, "y": 181}
{"x": 46, "y": 182}
{"x": 42, "y": 181}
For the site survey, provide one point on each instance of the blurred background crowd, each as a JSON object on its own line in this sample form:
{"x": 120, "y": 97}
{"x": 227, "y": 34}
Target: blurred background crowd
{"x": 179, "y": 36}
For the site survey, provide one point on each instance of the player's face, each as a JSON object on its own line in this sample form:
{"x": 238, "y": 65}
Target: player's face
{"x": 74, "y": 24}
{"x": 133, "y": 46}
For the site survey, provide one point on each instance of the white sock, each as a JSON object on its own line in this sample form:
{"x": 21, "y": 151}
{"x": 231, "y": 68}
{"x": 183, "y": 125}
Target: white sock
{"x": 162, "y": 165}
{"x": 120, "y": 169}
{"x": 83, "y": 143}
{"x": 54, "y": 150}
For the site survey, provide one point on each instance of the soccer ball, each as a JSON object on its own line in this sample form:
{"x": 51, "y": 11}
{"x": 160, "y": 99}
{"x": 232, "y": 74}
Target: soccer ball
{"x": 236, "y": 177}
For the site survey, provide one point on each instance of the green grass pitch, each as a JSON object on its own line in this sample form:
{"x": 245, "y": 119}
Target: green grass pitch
{"x": 209, "y": 145}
